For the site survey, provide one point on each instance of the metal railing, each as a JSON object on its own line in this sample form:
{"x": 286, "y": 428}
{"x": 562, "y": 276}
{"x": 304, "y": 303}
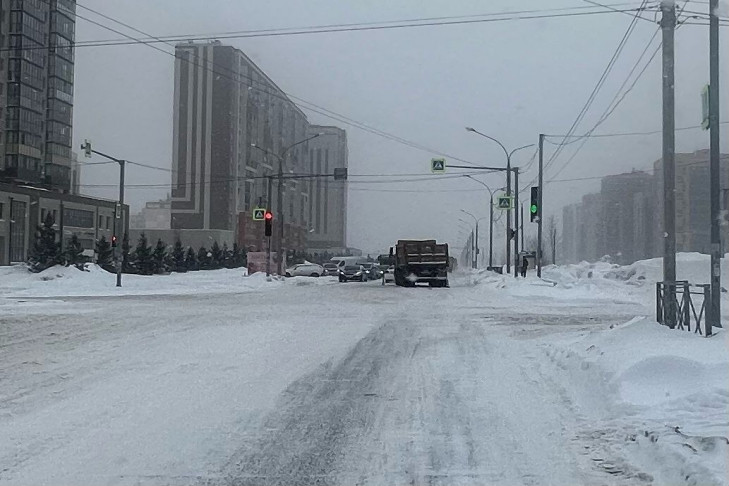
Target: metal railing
{"x": 676, "y": 306}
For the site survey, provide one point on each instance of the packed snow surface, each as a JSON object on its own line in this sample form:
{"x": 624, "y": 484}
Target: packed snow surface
{"x": 215, "y": 377}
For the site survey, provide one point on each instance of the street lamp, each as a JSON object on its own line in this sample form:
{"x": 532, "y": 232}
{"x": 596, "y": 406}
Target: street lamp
{"x": 508, "y": 193}
{"x": 491, "y": 217}
{"x": 477, "y": 251}
{"x": 279, "y": 203}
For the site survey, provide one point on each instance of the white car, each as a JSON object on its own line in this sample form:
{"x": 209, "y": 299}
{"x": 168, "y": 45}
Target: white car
{"x": 389, "y": 274}
{"x": 305, "y": 270}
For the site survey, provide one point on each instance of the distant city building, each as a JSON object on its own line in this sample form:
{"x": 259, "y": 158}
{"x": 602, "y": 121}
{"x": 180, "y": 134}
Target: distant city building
{"x": 75, "y": 174}
{"x": 154, "y": 215}
{"x": 328, "y": 201}
{"x": 625, "y": 220}
{"x": 36, "y": 91}
{"x": 231, "y": 126}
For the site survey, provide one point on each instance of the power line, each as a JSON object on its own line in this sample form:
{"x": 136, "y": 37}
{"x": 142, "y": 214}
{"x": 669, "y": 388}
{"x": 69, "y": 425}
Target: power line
{"x": 625, "y": 134}
{"x": 288, "y": 97}
{"x": 505, "y": 17}
{"x": 600, "y": 83}
{"x": 209, "y": 35}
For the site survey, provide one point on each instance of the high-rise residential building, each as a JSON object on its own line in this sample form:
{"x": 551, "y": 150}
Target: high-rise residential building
{"x": 36, "y": 91}
{"x": 626, "y": 203}
{"x": 693, "y": 209}
{"x": 328, "y": 201}
{"x": 233, "y": 126}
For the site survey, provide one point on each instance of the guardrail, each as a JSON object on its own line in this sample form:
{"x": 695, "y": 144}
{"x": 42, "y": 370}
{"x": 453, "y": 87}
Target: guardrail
{"x": 676, "y": 305}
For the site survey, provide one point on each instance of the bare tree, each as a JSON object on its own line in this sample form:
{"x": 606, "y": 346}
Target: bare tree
{"x": 552, "y": 238}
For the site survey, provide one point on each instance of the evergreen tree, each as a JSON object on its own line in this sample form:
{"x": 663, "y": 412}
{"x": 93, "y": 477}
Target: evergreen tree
{"x": 46, "y": 251}
{"x": 227, "y": 259}
{"x": 216, "y": 256}
{"x": 143, "y": 260}
{"x": 104, "y": 254}
{"x": 191, "y": 263}
{"x": 159, "y": 255}
{"x": 74, "y": 253}
{"x": 126, "y": 255}
{"x": 235, "y": 259}
{"x": 178, "y": 257}
{"x": 203, "y": 260}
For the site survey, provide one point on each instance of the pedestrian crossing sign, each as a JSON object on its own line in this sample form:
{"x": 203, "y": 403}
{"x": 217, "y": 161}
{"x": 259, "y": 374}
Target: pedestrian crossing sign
{"x": 505, "y": 202}
{"x": 259, "y": 214}
{"x": 437, "y": 166}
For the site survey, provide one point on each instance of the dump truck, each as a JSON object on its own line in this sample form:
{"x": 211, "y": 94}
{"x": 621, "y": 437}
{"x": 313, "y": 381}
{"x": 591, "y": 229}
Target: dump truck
{"x": 420, "y": 261}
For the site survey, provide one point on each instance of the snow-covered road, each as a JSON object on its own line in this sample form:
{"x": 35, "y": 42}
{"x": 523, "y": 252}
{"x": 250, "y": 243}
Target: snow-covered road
{"x": 313, "y": 382}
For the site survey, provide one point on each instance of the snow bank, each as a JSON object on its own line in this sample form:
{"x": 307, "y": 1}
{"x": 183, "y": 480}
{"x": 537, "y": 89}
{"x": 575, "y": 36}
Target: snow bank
{"x": 16, "y": 281}
{"x": 667, "y": 390}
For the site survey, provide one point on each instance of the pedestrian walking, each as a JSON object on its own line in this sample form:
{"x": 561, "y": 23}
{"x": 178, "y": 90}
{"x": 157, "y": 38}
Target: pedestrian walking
{"x": 524, "y": 266}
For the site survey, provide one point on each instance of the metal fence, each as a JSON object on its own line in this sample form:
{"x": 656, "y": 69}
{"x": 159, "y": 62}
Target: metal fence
{"x": 679, "y": 304}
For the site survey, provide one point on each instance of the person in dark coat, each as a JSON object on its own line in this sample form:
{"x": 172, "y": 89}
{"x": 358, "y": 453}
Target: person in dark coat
{"x": 524, "y": 266}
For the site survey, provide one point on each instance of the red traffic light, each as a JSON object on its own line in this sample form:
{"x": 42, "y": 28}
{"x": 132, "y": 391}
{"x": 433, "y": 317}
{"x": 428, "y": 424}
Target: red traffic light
{"x": 269, "y": 215}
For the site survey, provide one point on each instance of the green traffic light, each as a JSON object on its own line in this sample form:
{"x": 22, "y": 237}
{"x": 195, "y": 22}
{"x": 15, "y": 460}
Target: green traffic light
{"x": 533, "y": 208}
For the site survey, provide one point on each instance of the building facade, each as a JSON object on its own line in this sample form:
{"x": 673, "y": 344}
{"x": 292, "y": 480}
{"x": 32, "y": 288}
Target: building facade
{"x": 233, "y": 129}
{"x": 625, "y": 219}
{"x": 154, "y": 215}
{"x": 328, "y": 201}
{"x": 24, "y": 208}
{"x": 36, "y": 91}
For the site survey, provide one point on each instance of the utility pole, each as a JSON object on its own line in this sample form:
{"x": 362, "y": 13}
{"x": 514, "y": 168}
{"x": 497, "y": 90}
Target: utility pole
{"x": 521, "y": 209}
{"x": 270, "y": 209}
{"x": 668, "y": 26}
{"x": 540, "y": 209}
{"x": 714, "y": 319}
{"x": 477, "y": 251}
{"x": 491, "y": 232}
{"x": 516, "y": 221}
{"x": 279, "y": 205}
{"x": 508, "y": 216}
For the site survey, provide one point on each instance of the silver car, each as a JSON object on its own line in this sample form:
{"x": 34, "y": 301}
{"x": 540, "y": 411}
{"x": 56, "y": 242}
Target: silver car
{"x": 305, "y": 270}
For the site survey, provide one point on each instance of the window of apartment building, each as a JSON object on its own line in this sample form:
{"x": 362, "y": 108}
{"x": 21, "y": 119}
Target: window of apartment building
{"x": 108, "y": 222}
{"x": 101, "y": 221}
{"x": 78, "y": 218}
{"x": 2, "y": 209}
{"x": 55, "y": 214}
{"x": 43, "y": 214}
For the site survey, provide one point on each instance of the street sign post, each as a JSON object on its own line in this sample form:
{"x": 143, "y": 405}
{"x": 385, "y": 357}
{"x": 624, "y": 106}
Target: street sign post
{"x": 437, "y": 166}
{"x": 705, "y": 108}
{"x": 259, "y": 214}
{"x": 505, "y": 202}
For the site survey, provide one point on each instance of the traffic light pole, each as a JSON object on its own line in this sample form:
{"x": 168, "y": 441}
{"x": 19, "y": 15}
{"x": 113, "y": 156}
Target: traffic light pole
{"x": 491, "y": 232}
{"x": 539, "y": 205}
{"x": 86, "y": 147}
{"x": 268, "y": 205}
{"x": 516, "y": 222}
{"x": 715, "y": 168}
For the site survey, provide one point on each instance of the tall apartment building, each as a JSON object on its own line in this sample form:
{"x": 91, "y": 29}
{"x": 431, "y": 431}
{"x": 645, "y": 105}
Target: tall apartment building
{"x": 328, "y": 201}
{"x": 625, "y": 219}
{"x": 692, "y": 200}
{"x": 36, "y": 91}
{"x": 232, "y": 127}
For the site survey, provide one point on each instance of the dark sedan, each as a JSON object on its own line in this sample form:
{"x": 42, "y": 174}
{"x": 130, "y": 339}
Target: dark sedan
{"x": 353, "y": 272}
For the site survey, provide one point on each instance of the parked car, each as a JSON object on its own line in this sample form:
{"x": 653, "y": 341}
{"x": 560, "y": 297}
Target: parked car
{"x": 331, "y": 269}
{"x": 305, "y": 270}
{"x": 353, "y": 272}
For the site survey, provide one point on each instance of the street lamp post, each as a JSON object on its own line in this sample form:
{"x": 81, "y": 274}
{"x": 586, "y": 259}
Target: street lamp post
{"x": 508, "y": 193}
{"x": 279, "y": 199}
{"x": 477, "y": 250}
{"x": 491, "y": 217}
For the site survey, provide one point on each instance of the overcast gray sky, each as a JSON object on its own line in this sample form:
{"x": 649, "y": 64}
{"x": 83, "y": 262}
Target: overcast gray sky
{"x": 511, "y": 80}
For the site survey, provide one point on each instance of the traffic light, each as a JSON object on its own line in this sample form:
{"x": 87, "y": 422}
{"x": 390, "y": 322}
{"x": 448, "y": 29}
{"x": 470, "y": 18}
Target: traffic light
{"x": 534, "y": 210}
{"x": 268, "y": 218}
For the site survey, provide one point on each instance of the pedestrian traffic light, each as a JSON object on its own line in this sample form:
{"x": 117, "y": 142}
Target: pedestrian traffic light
{"x": 534, "y": 212}
{"x": 268, "y": 218}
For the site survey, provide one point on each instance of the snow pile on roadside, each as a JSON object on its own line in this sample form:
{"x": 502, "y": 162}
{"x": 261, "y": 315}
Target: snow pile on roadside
{"x": 665, "y": 395}
{"x": 58, "y": 281}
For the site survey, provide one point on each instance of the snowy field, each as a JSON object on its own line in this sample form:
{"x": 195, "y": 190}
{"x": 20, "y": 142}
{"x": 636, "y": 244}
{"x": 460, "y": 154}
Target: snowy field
{"x": 220, "y": 378}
